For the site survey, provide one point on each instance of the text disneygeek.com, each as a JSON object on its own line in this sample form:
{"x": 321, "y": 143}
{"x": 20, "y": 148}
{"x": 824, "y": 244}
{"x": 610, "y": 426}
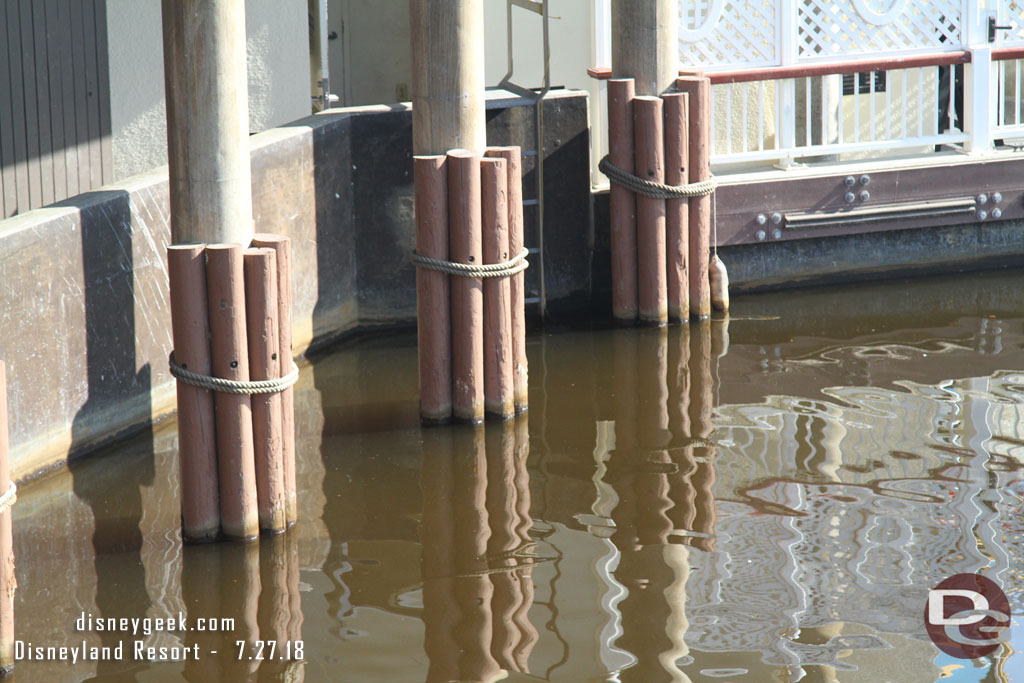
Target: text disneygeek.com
{"x": 137, "y": 649}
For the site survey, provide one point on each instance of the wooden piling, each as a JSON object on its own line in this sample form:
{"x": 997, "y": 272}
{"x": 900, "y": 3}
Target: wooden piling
{"x": 677, "y": 238}
{"x": 447, "y": 75}
{"x": 282, "y": 246}
{"x": 464, "y": 245}
{"x": 514, "y": 166}
{"x": 699, "y": 90}
{"x": 197, "y": 443}
{"x": 230, "y": 360}
{"x": 433, "y": 312}
{"x": 645, "y": 43}
{"x": 8, "y": 582}
{"x": 207, "y": 121}
{"x": 622, "y": 201}
{"x": 265, "y": 363}
{"x": 499, "y": 388}
{"x": 652, "y": 292}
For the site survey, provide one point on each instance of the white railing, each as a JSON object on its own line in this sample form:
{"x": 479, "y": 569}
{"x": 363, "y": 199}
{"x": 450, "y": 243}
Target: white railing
{"x": 828, "y": 114}
{"x": 1009, "y": 121}
{"x": 840, "y": 79}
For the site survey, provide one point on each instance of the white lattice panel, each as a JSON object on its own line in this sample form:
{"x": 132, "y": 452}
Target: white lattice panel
{"x": 836, "y": 29}
{"x": 1011, "y": 13}
{"x": 728, "y": 33}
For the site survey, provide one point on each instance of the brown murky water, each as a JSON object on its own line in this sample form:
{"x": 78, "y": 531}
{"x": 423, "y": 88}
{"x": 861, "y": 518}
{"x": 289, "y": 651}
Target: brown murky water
{"x": 767, "y": 498}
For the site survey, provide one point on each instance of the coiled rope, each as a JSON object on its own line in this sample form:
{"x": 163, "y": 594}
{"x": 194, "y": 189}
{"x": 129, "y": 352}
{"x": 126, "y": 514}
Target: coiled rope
{"x": 7, "y": 500}
{"x": 516, "y": 264}
{"x": 232, "y": 386}
{"x": 650, "y": 188}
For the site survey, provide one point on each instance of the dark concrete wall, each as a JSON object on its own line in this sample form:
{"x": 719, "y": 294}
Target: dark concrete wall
{"x": 84, "y": 322}
{"x": 382, "y": 202}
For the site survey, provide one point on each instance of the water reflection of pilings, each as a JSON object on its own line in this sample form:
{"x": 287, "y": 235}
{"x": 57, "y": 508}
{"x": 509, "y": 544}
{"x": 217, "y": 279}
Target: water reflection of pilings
{"x": 477, "y": 584}
{"x": 259, "y": 593}
{"x": 662, "y": 472}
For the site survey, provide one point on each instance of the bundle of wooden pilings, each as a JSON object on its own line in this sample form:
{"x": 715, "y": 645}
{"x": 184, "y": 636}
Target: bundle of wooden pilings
{"x": 470, "y": 285}
{"x": 8, "y": 582}
{"x": 231, "y": 311}
{"x": 661, "y": 246}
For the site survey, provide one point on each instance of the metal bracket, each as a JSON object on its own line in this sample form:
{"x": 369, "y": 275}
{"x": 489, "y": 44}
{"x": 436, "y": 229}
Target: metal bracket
{"x": 993, "y": 27}
{"x": 806, "y": 221}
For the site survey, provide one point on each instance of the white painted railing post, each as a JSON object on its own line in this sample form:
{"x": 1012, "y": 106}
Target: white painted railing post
{"x": 786, "y": 115}
{"x": 980, "y": 88}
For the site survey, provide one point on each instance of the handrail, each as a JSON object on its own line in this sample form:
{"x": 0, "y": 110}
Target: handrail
{"x": 1007, "y": 53}
{"x": 851, "y": 67}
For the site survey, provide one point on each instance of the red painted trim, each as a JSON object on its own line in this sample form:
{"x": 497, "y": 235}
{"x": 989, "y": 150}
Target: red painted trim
{"x": 1007, "y": 53}
{"x": 858, "y": 66}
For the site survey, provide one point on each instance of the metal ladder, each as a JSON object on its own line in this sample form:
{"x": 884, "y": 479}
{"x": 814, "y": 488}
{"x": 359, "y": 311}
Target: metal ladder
{"x": 537, "y": 96}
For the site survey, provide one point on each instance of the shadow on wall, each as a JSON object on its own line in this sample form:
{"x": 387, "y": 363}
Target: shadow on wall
{"x": 109, "y": 273}
{"x": 335, "y": 309}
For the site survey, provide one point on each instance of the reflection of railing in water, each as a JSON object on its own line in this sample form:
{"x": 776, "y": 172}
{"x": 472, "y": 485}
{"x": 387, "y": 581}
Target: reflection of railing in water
{"x": 477, "y": 553}
{"x": 902, "y": 488}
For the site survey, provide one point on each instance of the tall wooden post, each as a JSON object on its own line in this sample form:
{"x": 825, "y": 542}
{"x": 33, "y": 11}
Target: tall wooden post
{"x": 513, "y": 164}
{"x": 207, "y": 121}
{"x": 447, "y": 75}
{"x": 499, "y": 383}
{"x": 699, "y": 90}
{"x": 621, "y": 200}
{"x": 677, "y": 238}
{"x": 652, "y": 294}
{"x": 261, "y": 312}
{"x": 645, "y": 43}
{"x": 230, "y": 355}
{"x": 467, "y": 293}
{"x": 282, "y": 246}
{"x": 197, "y": 443}
{"x": 447, "y": 115}
{"x": 433, "y": 307}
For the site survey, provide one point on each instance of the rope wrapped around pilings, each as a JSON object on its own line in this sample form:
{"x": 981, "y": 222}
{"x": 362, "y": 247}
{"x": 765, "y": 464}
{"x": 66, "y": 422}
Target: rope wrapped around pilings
{"x": 230, "y": 386}
{"x": 8, "y": 499}
{"x": 516, "y": 264}
{"x": 650, "y": 188}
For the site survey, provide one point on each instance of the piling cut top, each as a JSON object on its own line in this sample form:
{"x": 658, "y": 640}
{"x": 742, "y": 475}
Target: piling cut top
{"x": 460, "y": 153}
